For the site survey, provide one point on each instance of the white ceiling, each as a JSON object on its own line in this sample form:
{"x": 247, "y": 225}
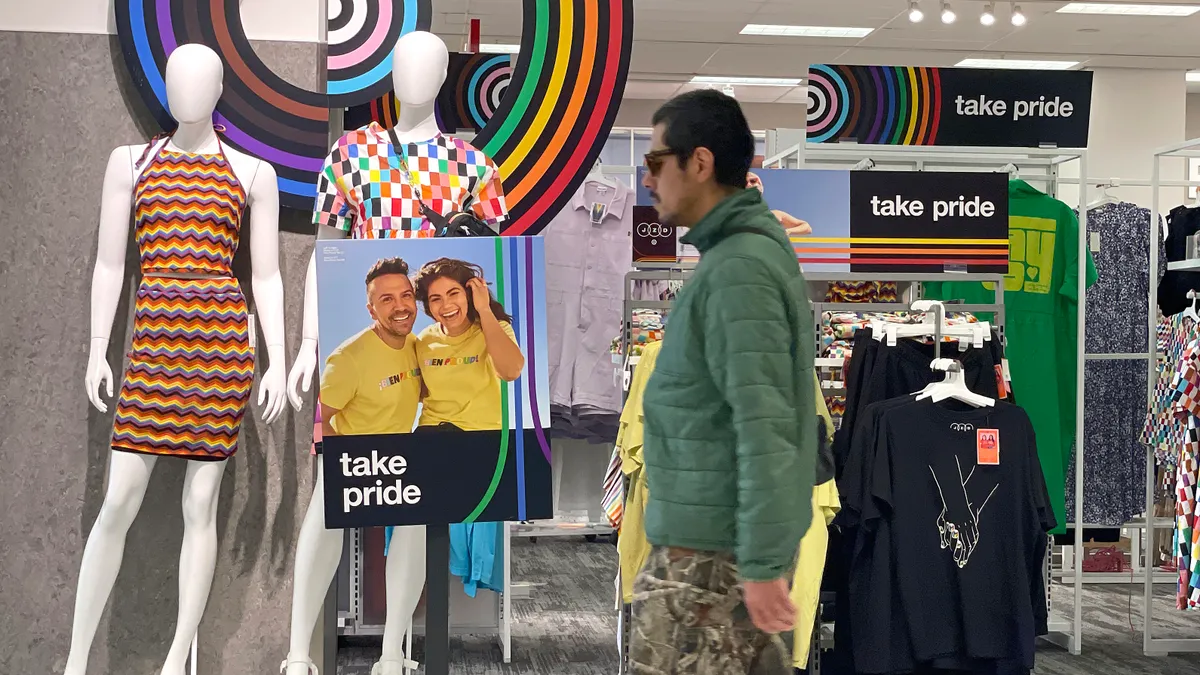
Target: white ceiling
{"x": 676, "y": 39}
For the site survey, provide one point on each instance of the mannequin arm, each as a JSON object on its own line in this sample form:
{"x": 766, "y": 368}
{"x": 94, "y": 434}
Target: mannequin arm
{"x": 115, "y": 203}
{"x": 306, "y": 358}
{"x": 268, "y": 285}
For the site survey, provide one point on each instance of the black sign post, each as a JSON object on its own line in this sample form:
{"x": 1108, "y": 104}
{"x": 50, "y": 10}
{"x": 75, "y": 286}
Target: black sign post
{"x": 945, "y": 222}
{"x": 896, "y": 105}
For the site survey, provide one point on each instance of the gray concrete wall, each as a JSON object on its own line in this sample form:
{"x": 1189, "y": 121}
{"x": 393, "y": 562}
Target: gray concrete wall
{"x": 64, "y": 104}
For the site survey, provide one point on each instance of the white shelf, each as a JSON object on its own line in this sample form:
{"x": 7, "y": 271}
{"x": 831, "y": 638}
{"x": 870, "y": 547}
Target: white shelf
{"x": 1193, "y": 264}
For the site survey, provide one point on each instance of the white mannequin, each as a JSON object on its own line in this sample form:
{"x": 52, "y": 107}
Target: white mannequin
{"x": 193, "y": 79}
{"x": 419, "y": 68}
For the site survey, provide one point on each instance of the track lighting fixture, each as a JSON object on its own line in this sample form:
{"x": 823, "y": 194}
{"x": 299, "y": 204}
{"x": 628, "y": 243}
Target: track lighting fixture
{"x": 948, "y": 15}
{"x": 915, "y": 14}
{"x": 1018, "y": 17}
{"x": 988, "y": 18}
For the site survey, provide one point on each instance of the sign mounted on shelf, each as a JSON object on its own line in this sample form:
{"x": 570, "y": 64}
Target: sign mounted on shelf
{"x": 653, "y": 242}
{"x": 928, "y": 222}
{"x": 897, "y": 105}
{"x": 419, "y": 428}
{"x": 890, "y": 221}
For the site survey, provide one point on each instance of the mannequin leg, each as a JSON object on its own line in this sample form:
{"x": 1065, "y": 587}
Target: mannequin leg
{"x": 318, "y": 552}
{"x": 405, "y": 580}
{"x": 128, "y": 476}
{"x": 197, "y": 557}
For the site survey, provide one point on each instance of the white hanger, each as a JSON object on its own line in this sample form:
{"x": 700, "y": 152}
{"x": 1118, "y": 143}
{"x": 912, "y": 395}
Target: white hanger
{"x": 953, "y": 386}
{"x": 1013, "y": 171}
{"x": 1105, "y": 197}
{"x": 864, "y": 164}
{"x": 1190, "y": 312}
{"x": 596, "y": 175}
{"x": 933, "y": 326}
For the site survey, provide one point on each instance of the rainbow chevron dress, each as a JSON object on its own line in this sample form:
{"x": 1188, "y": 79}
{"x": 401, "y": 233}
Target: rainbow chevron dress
{"x": 190, "y": 366}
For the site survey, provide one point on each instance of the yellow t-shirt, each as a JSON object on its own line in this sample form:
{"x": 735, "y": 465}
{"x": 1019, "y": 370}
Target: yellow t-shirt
{"x": 463, "y": 386}
{"x": 632, "y": 547}
{"x": 806, "y": 583}
{"x": 374, "y": 387}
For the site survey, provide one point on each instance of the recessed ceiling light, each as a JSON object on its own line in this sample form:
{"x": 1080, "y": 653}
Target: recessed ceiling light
{"x": 915, "y": 14}
{"x": 948, "y": 15}
{"x": 747, "y": 81}
{"x": 988, "y": 18}
{"x": 496, "y": 48}
{"x": 1017, "y": 64}
{"x": 1018, "y": 17}
{"x": 806, "y": 31}
{"x": 1193, "y": 76}
{"x": 1128, "y": 9}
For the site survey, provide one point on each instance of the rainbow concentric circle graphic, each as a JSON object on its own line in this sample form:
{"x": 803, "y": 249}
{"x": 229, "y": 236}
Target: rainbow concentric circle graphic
{"x": 549, "y": 124}
{"x": 481, "y": 87}
{"x": 362, "y": 35}
{"x": 889, "y": 105}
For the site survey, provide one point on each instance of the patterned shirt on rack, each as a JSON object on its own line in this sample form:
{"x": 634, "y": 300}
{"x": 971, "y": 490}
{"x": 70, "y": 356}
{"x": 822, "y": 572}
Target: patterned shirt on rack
{"x": 362, "y": 188}
{"x": 1164, "y": 431}
{"x": 1184, "y": 393}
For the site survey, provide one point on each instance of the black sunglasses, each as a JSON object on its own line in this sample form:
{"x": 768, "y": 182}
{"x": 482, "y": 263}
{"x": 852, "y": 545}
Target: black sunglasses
{"x": 654, "y": 159}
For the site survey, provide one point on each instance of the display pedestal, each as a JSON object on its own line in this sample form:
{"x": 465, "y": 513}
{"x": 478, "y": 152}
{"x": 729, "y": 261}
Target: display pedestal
{"x": 437, "y": 600}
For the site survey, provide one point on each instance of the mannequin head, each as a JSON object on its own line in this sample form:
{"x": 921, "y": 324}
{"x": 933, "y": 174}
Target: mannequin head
{"x": 419, "y": 68}
{"x": 194, "y": 75}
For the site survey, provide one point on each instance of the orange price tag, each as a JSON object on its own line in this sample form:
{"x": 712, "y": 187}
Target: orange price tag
{"x": 987, "y": 447}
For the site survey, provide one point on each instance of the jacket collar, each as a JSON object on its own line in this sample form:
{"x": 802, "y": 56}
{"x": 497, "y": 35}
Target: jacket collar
{"x": 741, "y": 208}
{"x": 619, "y": 199}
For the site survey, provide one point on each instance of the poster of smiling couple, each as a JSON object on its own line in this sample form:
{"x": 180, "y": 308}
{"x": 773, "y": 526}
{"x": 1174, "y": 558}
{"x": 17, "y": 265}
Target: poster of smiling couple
{"x": 434, "y": 387}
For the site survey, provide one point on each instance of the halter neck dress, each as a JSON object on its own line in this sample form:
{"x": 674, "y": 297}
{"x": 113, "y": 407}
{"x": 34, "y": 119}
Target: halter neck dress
{"x": 191, "y": 366}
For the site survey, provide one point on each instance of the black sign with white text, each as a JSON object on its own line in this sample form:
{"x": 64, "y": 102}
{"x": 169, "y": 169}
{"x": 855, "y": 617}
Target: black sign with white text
{"x": 653, "y": 241}
{"x": 434, "y": 476}
{"x": 928, "y": 222}
{"x": 896, "y": 105}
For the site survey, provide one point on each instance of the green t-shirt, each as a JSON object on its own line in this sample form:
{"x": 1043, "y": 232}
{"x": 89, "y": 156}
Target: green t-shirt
{"x": 1041, "y": 305}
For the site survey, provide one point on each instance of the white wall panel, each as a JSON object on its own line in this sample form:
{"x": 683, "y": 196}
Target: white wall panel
{"x": 277, "y": 20}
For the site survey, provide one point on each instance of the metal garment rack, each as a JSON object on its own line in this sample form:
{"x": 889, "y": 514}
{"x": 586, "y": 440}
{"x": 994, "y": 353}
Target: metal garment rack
{"x": 1150, "y": 644}
{"x": 1032, "y": 165}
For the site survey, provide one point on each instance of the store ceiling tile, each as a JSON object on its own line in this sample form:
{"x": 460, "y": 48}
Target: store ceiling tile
{"x": 655, "y": 90}
{"x": 767, "y": 60}
{"x": 682, "y": 59}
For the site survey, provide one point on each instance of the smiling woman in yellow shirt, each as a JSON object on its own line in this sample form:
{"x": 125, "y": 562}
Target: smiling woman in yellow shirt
{"x": 468, "y": 351}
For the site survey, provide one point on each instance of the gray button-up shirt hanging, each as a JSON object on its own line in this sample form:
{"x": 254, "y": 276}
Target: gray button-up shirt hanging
{"x": 588, "y": 253}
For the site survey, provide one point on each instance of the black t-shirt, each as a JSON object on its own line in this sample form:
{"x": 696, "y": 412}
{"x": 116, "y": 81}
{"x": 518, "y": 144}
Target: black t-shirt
{"x": 951, "y": 549}
{"x": 1182, "y": 222}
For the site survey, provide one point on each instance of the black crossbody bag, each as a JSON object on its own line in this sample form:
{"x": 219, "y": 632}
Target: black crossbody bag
{"x": 453, "y": 224}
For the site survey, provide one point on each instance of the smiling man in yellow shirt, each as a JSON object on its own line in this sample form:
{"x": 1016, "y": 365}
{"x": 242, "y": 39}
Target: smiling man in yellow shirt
{"x": 372, "y": 382}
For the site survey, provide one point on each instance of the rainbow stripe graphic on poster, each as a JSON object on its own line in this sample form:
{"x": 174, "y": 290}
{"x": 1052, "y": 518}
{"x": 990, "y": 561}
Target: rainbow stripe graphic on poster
{"x": 883, "y": 105}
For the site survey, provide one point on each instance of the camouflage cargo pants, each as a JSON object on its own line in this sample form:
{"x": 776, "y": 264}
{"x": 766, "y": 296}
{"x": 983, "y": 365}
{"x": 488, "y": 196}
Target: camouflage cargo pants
{"x": 689, "y": 618}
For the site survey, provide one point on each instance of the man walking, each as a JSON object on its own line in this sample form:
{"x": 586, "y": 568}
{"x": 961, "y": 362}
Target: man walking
{"x": 730, "y": 427}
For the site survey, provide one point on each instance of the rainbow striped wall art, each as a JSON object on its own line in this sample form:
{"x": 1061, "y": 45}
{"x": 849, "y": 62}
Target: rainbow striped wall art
{"x": 545, "y": 131}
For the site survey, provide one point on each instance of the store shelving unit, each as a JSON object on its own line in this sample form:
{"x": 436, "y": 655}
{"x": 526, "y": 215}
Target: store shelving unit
{"x": 1155, "y": 645}
{"x": 1035, "y": 165}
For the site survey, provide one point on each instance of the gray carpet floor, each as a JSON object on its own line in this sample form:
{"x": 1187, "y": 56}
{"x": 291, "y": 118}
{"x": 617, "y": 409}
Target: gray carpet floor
{"x": 568, "y": 626}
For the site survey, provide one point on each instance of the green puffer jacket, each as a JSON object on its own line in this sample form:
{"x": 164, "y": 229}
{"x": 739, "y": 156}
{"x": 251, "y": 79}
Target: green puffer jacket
{"x": 730, "y": 433}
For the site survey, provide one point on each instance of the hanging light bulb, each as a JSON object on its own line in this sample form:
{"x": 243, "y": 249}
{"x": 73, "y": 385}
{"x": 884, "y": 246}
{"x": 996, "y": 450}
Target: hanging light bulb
{"x": 915, "y": 14}
{"x": 988, "y": 18}
{"x": 1018, "y": 17}
{"x": 948, "y": 15}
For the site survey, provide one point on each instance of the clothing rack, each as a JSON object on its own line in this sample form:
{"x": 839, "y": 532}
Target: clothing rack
{"x": 1040, "y": 166}
{"x": 1152, "y": 645}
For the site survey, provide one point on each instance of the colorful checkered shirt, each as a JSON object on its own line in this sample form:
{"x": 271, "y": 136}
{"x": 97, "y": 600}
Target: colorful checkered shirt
{"x": 362, "y": 189}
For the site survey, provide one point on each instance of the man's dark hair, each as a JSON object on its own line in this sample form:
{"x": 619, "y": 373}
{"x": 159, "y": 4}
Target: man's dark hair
{"x": 386, "y": 266}
{"x": 706, "y": 118}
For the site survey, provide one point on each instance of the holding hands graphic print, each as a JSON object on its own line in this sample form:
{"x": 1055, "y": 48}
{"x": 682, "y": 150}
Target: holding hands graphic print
{"x": 958, "y": 522}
